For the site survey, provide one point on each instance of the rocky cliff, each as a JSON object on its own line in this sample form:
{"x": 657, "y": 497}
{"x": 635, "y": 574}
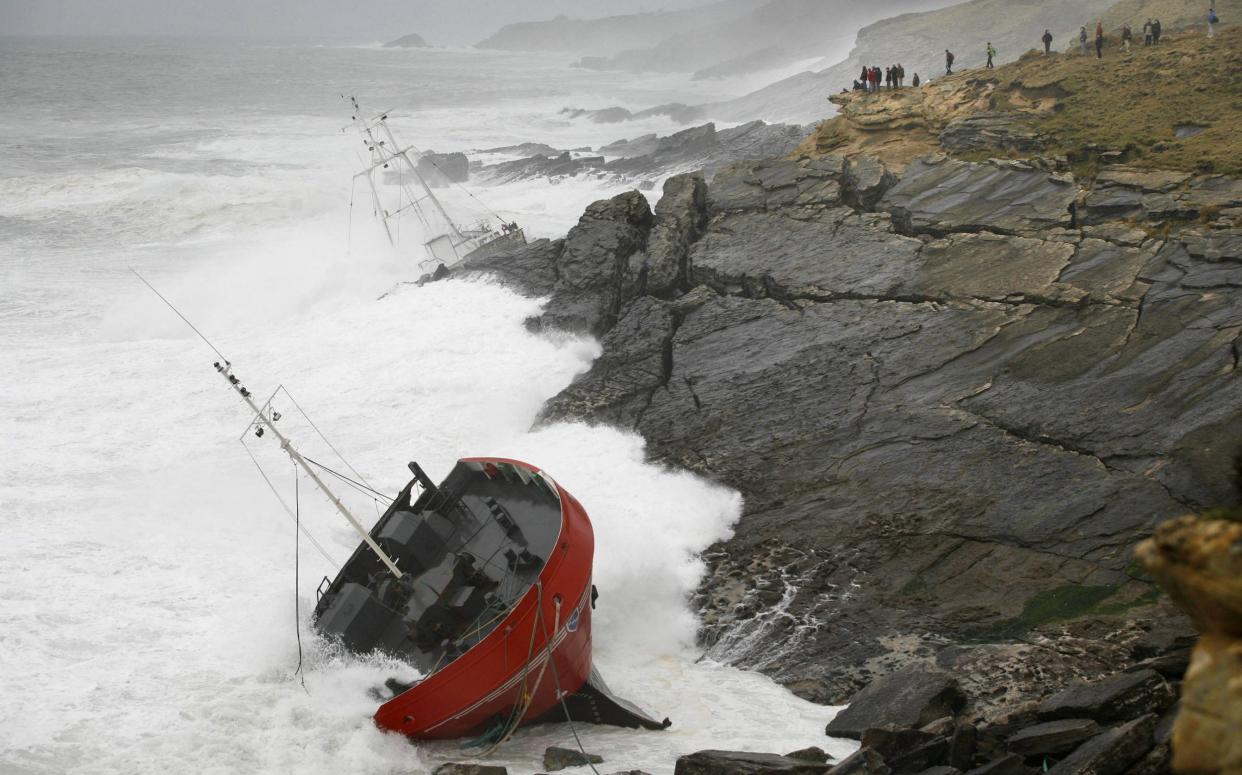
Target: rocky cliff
{"x": 954, "y": 392}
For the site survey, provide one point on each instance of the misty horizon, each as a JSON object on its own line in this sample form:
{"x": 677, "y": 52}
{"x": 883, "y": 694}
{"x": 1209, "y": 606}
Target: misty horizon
{"x": 439, "y": 22}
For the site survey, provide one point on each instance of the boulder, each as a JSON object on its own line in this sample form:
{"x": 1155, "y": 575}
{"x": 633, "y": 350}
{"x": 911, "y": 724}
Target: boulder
{"x": 911, "y": 698}
{"x": 1119, "y": 697}
{"x": 810, "y": 754}
{"x": 1053, "y": 737}
{"x": 864, "y": 761}
{"x": 1198, "y": 562}
{"x": 1111, "y": 752}
{"x": 441, "y": 169}
{"x": 866, "y": 179}
{"x": 1205, "y": 736}
{"x": 962, "y": 746}
{"x": 595, "y": 274}
{"x": 460, "y": 768}
{"x": 937, "y": 195}
{"x": 1009, "y": 764}
{"x": 680, "y": 218}
{"x": 746, "y": 763}
{"x": 907, "y": 751}
{"x": 556, "y": 758}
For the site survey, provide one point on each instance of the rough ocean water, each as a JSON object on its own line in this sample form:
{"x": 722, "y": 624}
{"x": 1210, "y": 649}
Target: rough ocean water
{"x": 147, "y": 589}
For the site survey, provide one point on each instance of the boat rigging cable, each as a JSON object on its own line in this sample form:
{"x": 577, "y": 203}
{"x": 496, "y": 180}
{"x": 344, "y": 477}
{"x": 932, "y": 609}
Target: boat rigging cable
{"x": 224, "y": 367}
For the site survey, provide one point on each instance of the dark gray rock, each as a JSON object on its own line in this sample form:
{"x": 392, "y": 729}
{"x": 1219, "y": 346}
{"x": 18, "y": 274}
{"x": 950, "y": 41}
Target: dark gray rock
{"x": 942, "y": 727}
{"x": 531, "y": 268}
{"x": 1111, "y": 752}
{"x": 680, "y": 218}
{"x": 866, "y": 180}
{"x": 810, "y": 754}
{"x": 938, "y": 195}
{"x": 1053, "y": 737}
{"x": 907, "y": 751}
{"x": 864, "y": 761}
{"x": 595, "y": 275}
{"x": 441, "y": 169}
{"x": 458, "y": 768}
{"x": 1122, "y": 696}
{"x": 746, "y": 763}
{"x": 943, "y": 769}
{"x": 908, "y": 698}
{"x": 1010, "y": 764}
{"x": 1157, "y": 761}
{"x": 561, "y": 166}
{"x": 991, "y": 131}
{"x": 962, "y": 746}
{"x": 555, "y": 758}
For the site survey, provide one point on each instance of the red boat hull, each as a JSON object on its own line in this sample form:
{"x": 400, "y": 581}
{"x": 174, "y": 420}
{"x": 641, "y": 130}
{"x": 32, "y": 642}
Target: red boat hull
{"x": 509, "y": 668}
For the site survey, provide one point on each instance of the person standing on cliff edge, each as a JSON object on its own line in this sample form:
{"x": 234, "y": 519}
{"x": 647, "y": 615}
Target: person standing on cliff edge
{"x": 948, "y": 62}
{"x": 991, "y": 55}
{"x": 1082, "y": 40}
{"x": 1047, "y": 42}
{"x": 1127, "y": 36}
{"x": 1099, "y": 40}
{"x": 1213, "y": 20}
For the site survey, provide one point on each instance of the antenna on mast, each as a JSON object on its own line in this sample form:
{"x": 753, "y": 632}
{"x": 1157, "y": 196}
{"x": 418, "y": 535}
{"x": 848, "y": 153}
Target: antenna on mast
{"x": 225, "y": 368}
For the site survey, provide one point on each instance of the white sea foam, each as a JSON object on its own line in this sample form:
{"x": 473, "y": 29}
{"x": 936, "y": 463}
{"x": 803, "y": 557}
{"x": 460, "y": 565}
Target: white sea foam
{"x": 146, "y": 571}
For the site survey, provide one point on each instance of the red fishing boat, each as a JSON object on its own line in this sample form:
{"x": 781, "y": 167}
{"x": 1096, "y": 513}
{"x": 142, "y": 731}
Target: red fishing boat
{"x": 483, "y": 583}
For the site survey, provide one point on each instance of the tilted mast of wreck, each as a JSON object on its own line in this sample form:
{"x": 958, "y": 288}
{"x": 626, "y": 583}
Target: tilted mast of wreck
{"x": 265, "y": 421}
{"x": 444, "y": 240}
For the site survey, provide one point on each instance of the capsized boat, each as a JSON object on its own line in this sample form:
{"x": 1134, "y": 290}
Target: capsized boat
{"x": 492, "y": 602}
{"x": 446, "y": 243}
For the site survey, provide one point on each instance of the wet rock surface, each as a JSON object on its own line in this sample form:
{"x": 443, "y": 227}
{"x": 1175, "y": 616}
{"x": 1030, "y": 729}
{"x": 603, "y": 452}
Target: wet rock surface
{"x": 952, "y": 407}
{"x": 703, "y": 148}
{"x": 556, "y": 758}
{"x": 912, "y": 697}
{"x": 746, "y": 763}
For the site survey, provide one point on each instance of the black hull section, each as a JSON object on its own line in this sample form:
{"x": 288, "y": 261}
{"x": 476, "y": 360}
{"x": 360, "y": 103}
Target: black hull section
{"x": 595, "y": 703}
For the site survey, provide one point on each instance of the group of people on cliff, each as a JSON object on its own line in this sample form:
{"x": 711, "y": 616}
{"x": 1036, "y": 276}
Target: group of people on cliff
{"x": 873, "y": 79}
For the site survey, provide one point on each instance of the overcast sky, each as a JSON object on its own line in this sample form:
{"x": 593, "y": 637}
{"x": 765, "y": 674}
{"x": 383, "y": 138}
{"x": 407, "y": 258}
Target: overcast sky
{"x": 439, "y": 21}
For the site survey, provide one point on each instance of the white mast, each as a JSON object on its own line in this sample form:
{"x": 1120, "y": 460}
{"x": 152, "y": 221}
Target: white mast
{"x": 225, "y": 368}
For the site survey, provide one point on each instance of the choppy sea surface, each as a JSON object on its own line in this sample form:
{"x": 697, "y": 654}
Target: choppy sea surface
{"x": 149, "y": 609}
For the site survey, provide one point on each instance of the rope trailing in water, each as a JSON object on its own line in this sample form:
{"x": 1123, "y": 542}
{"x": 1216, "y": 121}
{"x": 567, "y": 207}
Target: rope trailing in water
{"x": 297, "y": 604}
{"x": 560, "y": 694}
{"x": 297, "y": 522}
{"x": 525, "y": 696}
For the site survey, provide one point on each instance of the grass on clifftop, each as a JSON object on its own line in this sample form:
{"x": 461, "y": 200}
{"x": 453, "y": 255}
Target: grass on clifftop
{"x": 1137, "y": 103}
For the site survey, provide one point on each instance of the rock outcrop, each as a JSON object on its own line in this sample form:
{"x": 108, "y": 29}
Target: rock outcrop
{"x": 702, "y": 148}
{"x": 1199, "y": 562}
{"x": 413, "y": 40}
{"x": 952, "y": 408}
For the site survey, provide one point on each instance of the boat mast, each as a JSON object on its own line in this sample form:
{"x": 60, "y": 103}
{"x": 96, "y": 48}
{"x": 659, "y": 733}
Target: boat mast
{"x": 225, "y": 369}
{"x": 385, "y": 149}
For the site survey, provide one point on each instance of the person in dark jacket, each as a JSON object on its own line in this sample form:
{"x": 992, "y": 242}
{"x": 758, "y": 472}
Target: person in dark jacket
{"x": 1127, "y": 36}
{"x": 948, "y": 62}
{"x": 1099, "y": 40}
{"x": 1047, "y": 42}
{"x": 1155, "y": 32}
{"x": 915, "y": 82}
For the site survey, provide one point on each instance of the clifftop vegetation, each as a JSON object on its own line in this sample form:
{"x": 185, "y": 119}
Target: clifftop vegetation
{"x": 1175, "y": 106}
